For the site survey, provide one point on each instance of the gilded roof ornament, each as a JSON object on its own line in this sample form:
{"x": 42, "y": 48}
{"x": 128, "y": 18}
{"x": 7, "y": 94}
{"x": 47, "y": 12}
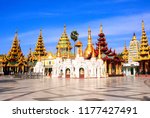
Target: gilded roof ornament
{"x": 64, "y": 28}
{"x": 134, "y": 37}
{"x": 101, "y": 28}
{"x": 143, "y": 26}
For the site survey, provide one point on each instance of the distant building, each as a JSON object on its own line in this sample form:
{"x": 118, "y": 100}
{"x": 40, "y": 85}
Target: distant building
{"x": 138, "y": 56}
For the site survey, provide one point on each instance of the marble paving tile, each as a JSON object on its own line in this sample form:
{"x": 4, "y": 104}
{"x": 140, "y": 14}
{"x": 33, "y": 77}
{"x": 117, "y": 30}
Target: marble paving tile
{"x": 46, "y": 89}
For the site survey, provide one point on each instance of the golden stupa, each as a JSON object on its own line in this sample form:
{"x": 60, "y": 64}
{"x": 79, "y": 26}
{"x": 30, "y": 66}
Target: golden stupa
{"x": 89, "y": 48}
{"x": 125, "y": 54}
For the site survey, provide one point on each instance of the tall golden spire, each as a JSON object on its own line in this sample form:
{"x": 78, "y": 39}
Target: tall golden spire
{"x": 15, "y": 51}
{"x": 101, "y": 28}
{"x": 40, "y": 48}
{"x": 144, "y": 45}
{"x": 89, "y": 48}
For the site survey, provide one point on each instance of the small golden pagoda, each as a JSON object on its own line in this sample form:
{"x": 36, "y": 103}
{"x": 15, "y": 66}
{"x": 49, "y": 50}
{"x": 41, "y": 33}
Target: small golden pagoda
{"x": 144, "y": 52}
{"x": 15, "y": 61}
{"x": 31, "y": 60}
{"x": 40, "y": 48}
{"x": 125, "y": 54}
{"x": 89, "y": 48}
{"x": 79, "y": 48}
{"x": 64, "y": 44}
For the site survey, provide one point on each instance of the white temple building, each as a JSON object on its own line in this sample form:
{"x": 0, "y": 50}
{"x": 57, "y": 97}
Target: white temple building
{"x": 39, "y": 68}
{"x": 131, "y": 68}
{"x": 78, "y": 67}
{"x": 90, "y": 63}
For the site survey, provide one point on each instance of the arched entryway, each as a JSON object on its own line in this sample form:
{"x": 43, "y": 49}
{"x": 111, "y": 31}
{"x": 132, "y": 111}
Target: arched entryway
{"x": 67, "y": 73}
{"x": 81, "y": 73}
{"x": 132, "y": 71}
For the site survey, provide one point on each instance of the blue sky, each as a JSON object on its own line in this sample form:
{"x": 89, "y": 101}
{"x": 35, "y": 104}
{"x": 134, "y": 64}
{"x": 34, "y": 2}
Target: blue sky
{"x": 120, "y": 19}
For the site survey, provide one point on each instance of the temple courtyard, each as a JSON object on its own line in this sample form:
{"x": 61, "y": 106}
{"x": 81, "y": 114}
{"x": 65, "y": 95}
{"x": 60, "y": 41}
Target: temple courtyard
{"x": 57, "y": 89}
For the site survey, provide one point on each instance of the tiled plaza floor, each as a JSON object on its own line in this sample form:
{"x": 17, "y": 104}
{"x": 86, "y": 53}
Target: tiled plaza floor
{"x": 103, "y": 89}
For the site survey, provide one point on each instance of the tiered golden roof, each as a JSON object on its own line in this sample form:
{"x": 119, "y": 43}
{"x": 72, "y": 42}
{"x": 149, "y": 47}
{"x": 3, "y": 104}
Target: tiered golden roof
{"x": 40, "y": 48}
{"x": 15, "y": 57}
{"x": 15, "y": 51}
{"x": 64, "y": 44}
{"x": 89, "y": 48}
{"x": 144, "y": 47}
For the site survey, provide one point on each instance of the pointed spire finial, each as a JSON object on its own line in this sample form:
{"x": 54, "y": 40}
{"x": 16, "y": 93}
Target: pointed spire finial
{"x": 143, "y": 27}
{"x": 101, "y": 28}
{"x": 64, "y": 28}
{"x": 89, "y": 32}
{"x": 40, "y": 31}
{"x": 30, "y": 49}
{"x": 16, "y": 33}
{"x": 134, "y": 37}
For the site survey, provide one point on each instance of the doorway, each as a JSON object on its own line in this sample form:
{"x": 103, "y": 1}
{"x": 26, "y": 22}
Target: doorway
{"x": 81, "y": 73}
{"x": 67, "y": 73}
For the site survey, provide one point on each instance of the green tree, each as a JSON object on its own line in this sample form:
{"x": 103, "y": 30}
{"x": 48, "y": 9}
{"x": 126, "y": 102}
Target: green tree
{"x": 74, "y": 36}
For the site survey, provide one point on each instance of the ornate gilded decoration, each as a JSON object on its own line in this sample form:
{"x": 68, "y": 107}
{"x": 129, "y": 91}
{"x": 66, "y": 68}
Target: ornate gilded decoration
{"x": 15, "y": 61}
{"x": 144, "y": 47}
{"x": 40, "y": 48}
{"x": 64, "y": 44}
